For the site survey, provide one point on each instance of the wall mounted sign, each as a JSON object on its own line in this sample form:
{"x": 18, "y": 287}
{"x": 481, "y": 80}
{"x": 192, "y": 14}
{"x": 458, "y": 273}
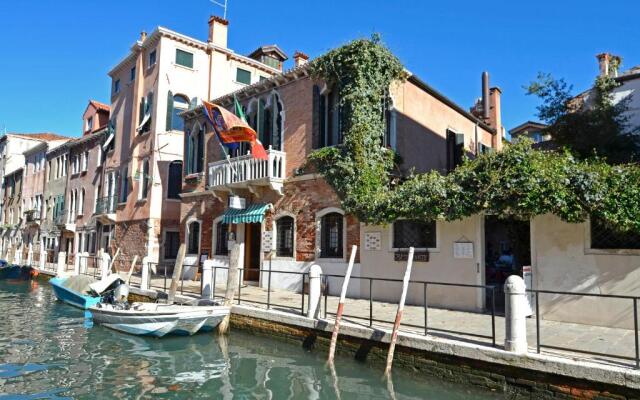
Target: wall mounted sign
{"x": 267, "y": 241}
{"x": 462, "y": 249}
{"x": 418, "y": 256}
{"x": 372, "y": 241}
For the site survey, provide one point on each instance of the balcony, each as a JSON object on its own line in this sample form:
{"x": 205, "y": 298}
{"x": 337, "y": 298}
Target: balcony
{"x": 246, "y": 172}
{"x": 63, "y": 222}
{"x": 106, "y": 209}
{"x": 32, "y": 217}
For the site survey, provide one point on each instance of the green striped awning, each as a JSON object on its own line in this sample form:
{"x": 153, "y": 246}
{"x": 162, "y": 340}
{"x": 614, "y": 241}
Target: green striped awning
{"x": 252, "y": 214}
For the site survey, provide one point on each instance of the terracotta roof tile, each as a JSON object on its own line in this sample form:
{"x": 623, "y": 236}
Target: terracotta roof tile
{"x": 99, "y": 105}
{"x": 46, "y": 136}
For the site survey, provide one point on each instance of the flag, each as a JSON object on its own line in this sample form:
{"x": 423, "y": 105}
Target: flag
{"x": 208, "y": 112}
{"x": 233, "y": 129}
{"x": 257, "y": 149}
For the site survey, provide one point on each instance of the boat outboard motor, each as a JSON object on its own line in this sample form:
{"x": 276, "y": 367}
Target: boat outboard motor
{"x": 113, "y": 290}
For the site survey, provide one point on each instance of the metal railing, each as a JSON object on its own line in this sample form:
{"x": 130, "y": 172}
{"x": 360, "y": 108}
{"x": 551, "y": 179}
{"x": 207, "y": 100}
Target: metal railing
{"x": 633, "y": 302}
{"x": 32, "y": 216}
{"x": 106, "y": 205}
{"x": 248, "y": 168}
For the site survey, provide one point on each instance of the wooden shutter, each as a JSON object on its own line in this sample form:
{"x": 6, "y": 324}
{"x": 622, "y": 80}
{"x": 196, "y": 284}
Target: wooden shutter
{"x": 317, "y": 115}
{"x": 141, "y": 110}
{"x": 169, "y": 110}
{"x": 200, "y": 139}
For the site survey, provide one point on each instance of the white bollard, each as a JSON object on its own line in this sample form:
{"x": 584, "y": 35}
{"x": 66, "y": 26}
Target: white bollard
{"x": 515, "y": 315}
{"x": 84, "y": 262}
{"x": 207, "y": 279}
{"x": 43, "y": 259}
{"x": 30, "y": 255}
{"x": 62, "y": 263}
{"x": 144, "y": 283}
{"x": 315, "y": 291}
{"x": 105, "y": 265}
{"x": 76, "y": 263}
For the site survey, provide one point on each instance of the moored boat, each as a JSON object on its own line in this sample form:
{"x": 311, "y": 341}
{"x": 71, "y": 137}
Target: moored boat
{"x": 75, "y": 290}
{"x": 12, "y": 271}
{"x": 151, "y": 319}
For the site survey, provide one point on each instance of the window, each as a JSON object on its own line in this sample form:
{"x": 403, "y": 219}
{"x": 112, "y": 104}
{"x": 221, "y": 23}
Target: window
{"x": 418, "y": 234}
{"x": 262, "y": 78}
{"x": 171, "y": 245}
{"x": 184, "y": 58}
{"x": 132, "y": 74}
{"x": 85, "y": 161}
{"x": 145, "y": 110}
{"x": 329, "y": 119}
{"x": 116, "y": 86}
{"x": 124, "y": 185}
{"x": 80, "y": 210}
{"x": 222, "y": 236}
{"x": 195, "y": 151}
{"x": 174, "y": 180}
{"x": 175, "y": 105}
{"x": 89, "y": 124}
{"x": 608, "y": 237}
{"x": 331, "y": 239}
{"x": 193, "y": 232}
{"x": 455, "y": 149}
{"x": 270, "y": 61}
{"x": 243, "y": 76}
{"x": 284, "y": 239}
{"x": 144, "y": 180}
{"x": 265, "y": 117}
{"x": 152, "y": 58}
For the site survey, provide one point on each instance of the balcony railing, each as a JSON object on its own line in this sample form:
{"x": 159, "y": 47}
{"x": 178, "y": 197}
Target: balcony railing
{"x": 61, "y": 218}
{"x": 32, "y": 216}
{"x": 246, "y": 170}
{"x": 106, "y": 205}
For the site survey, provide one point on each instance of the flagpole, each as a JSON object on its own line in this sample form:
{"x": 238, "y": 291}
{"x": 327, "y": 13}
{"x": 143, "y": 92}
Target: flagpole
{"x": 226, "y": 155}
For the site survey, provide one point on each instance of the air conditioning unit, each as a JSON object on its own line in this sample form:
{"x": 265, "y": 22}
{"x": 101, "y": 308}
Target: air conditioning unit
{"x": 237, "y": 202}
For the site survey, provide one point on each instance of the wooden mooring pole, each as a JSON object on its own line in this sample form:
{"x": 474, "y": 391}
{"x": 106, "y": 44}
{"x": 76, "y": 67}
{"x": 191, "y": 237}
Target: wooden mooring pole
{"x": 343, "y": 294}
{"x": 232, "y": 283}
{"x": 396, "y": 324}
{"x": 133, "y": 267}
{"x": 177, "y": 274}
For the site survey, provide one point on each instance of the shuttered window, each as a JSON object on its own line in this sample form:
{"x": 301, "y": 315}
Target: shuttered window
{"x": 144, "y": 181}
{"x": 174, "y": 180}
{"x": 243, "y": 76}
{"x": 455, "y": 149}
{"x": 184, "y": 58}
{"x": 124, "y": 185}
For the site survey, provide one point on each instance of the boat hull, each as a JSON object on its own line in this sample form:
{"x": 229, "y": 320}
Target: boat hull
{"x": 15, "y": 272}
{"x": 72, "y": 297}
{"x": 161, "y": 322}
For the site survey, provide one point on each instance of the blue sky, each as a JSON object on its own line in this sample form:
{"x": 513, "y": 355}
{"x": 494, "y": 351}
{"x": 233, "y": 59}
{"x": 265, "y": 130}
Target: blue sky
{"x": 56, "y": 54}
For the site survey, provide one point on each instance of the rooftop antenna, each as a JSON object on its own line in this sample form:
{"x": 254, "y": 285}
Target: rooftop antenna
{"x": 223, "y": 5}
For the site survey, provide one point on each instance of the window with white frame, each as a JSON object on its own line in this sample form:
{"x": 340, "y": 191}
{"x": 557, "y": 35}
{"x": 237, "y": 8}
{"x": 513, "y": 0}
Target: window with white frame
{"x": 332, "y": 235}
{"x": 81, "y": 203}
{"x": 124, "y": 184}
{"x": 607, "y": 237}
{"x": 193, "y": 237}
{"x": 85, "y": 161}
{"x": 411, "y": 233}
{"x": 195, "y": 150}
{"x": 284, "y": 236}
{"x": 143, "y": 180}
{"x": 222, "y": 237}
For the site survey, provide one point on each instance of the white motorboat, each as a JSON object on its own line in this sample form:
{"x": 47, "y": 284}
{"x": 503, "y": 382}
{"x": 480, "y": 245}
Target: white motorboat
{"x": 151, "y": 319}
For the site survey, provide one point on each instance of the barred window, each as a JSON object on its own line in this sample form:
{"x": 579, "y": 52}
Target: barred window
{"x": 193, "y": 244}
{"x": 284, "y": 240}
{"x": 171, "y": 244}
{"x": 222, "y": 236}
{"x": 331, "y": 241}
{"x": 604, "y": 236}
{"x": 409, "y": 233}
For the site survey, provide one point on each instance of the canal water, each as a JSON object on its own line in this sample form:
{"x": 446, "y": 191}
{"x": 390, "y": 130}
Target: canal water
{"x": 49, "y": 350}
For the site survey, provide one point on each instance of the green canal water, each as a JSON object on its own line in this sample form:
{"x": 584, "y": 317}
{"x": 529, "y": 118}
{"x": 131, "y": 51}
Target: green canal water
{"x": 49, "y": 350}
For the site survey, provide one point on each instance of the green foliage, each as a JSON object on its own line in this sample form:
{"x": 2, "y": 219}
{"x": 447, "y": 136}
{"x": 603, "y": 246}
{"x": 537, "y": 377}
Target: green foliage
{"x": 587, "y": 126}
{"x": 517, "y": 181}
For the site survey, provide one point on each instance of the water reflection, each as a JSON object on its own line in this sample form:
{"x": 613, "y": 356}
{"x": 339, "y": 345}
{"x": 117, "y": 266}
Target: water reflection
{"x": 49, "y": 350}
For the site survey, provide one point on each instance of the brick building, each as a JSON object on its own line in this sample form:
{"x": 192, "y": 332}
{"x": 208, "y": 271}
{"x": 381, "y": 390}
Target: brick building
{"x": 288, "y": 207}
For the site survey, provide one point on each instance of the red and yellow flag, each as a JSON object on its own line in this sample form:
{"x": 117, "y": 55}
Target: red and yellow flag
{"x": 232, "y": 129}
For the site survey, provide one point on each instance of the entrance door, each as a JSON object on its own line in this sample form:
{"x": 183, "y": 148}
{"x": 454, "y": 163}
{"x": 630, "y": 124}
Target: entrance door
{"x": 252, "y": 247}
{"x": 508, "y": 249}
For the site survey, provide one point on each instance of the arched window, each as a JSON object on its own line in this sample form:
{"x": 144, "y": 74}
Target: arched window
{"x": 174, "y": 180}
{"x": 331, "y": 235}
{"x": 284, "y": 239}
{"x": 193, "y": 237}
{"x": 222, "y": 236}
{"x": 175, "y": 105}
{"x": 195, "y": 150}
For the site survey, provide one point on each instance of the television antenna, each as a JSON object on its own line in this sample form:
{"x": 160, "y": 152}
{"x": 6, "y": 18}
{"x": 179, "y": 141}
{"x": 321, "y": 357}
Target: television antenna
{"x": 223, "y": 5}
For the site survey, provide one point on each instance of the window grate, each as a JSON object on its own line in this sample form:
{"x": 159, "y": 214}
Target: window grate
{"x": 284, "y": 245}
{"x": 409, "y": 233}
{"x": 331, "y": 238}
{"x": 608, "y": 237}
{"x": 222, "y": 236}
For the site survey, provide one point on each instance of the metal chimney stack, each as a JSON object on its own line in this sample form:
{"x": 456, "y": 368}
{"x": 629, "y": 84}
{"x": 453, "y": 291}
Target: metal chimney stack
{"x": 485, "y": 95}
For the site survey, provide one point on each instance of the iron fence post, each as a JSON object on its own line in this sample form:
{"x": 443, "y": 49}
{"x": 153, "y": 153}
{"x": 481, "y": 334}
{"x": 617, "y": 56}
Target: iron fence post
{"x": 165, "y": 277}
{"x": 537, "y": 322}
{"x": 213, "y": 290}
{"x": 426, "y": 308}
{"x": 635, "y": 330}
{"x": 240, "y": 286}
{"x": 326, "y": 285}
{"x": 302, "y": 308}
{"x": 370, "y": 302}
{"x": 493, "y": 315}
{"x": 269, "y": 287}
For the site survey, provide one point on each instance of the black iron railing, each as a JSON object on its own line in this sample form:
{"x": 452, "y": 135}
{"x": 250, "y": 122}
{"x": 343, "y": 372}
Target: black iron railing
{"x": 106, "y": 205}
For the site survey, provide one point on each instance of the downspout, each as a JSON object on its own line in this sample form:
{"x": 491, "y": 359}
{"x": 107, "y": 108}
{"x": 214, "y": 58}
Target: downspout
{"x": 476, "y": 139}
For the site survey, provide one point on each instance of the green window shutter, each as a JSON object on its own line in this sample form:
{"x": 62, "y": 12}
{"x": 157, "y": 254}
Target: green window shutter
{"x": 243, "y": 76}
{"x": 141, "y": 110}
{"x": 149, "y": 106}
{"x": 315, "y": 127}
{"x": 169, "y": 109}
{"x": 184, "y": 58}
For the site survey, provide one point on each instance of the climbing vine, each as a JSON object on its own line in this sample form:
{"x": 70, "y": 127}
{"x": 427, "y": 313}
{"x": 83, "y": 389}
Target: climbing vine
{"x": 517, "y": 181}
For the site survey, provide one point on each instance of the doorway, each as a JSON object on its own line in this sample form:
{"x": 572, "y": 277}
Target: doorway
{"x": 252, "y": 247}
{"x": 507, "y": 250}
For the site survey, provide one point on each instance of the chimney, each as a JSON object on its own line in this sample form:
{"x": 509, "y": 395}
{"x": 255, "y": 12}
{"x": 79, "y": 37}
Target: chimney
{"x": 495, "y": 117}
{"x": 299, "y": 58}
{"x": 485, "y": 95}
{"x": 143, "y": 36}
{"x": 218, "y": 28}
{"x": 608, "y": 64}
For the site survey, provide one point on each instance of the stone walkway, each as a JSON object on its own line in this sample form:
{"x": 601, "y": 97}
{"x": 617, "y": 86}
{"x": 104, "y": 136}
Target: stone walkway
{"x": 450, "y": 324}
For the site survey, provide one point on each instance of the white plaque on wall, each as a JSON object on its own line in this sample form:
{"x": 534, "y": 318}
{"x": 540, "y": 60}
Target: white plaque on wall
{"x": 372, "y": 241}
{"x": 462, "y": 249}
{"x": 267, "y": 241}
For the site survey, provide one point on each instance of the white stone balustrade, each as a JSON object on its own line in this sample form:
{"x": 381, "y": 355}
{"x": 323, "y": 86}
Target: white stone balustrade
{"x": 246, "y": 170}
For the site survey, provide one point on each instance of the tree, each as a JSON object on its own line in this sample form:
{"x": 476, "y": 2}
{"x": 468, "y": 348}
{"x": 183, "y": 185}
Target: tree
{"x": 590, "y": 124}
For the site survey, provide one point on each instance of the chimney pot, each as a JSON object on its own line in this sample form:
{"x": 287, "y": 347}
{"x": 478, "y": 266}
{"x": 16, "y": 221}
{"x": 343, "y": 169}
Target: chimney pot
{"x": 608, "y": 64}
{"x": 143, "y": 36}
{"x": 218, "y": 28}
{"x": 299, "y": 58}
